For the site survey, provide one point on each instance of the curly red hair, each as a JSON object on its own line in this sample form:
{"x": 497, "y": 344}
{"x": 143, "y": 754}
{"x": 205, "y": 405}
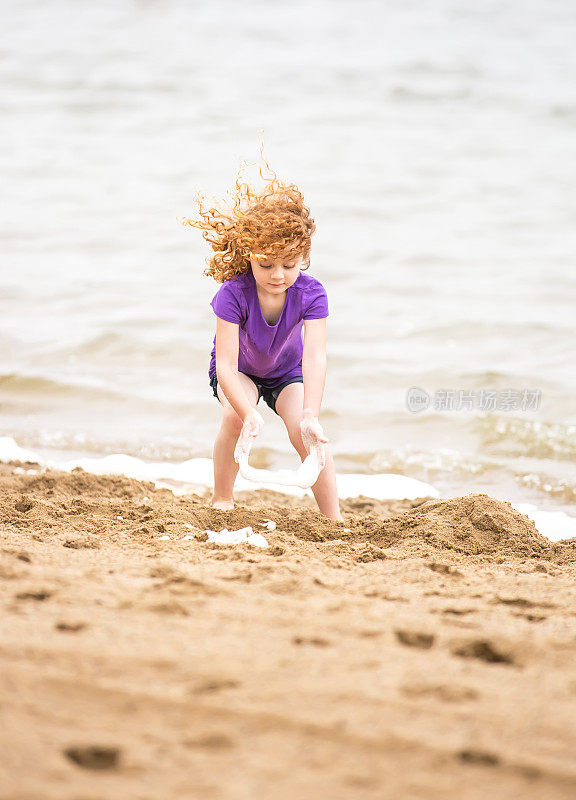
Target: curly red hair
{"x": 260, "y": 225}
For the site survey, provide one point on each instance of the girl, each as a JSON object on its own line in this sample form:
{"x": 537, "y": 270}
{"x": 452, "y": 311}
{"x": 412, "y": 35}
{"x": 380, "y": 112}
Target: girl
{"x": 270, "y": 330}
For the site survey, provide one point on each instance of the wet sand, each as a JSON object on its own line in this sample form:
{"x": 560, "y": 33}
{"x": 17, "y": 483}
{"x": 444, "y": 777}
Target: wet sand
{"x": 428, "y": 652}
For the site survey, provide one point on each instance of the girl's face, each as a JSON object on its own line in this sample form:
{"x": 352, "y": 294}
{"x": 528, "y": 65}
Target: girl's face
{"x": 276, "y": 275}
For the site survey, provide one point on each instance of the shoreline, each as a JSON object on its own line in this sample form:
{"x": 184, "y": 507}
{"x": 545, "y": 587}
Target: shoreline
{"x": 194, "y": 476}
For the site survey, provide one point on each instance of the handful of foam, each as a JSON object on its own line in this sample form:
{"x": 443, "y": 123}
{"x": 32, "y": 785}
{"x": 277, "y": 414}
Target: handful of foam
{"x": 304, "y": 477}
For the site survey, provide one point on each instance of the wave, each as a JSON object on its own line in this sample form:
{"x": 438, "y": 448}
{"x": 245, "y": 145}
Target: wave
{"x": 558, "y": 488}
{"x": 38, "y": 385}
{"x": 410, "y": 461}
{"x": 438, "y": 465}
{"x": 515, "y": 437}
{"x": 111, "y": 345}
{"x": 470, "y": 329}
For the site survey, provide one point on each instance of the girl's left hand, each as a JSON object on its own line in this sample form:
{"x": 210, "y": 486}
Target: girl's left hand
{"x": 313, "y": 436}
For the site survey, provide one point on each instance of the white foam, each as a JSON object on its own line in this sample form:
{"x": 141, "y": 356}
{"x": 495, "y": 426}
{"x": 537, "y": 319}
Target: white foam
{"x": 197, "y": 474}
{"x": 10, "y": 451}
{"x": 241, "y": 536}
{"x": 384, "y": 486}
{"x": 555, "y": 525}
{"x": 304, "y": 477}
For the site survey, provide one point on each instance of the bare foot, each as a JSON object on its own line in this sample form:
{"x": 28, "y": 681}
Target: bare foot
{"x": 222, "y": 505}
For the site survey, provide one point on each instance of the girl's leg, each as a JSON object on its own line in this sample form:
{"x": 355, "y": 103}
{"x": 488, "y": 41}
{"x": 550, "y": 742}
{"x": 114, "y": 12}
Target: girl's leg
{"x": 289, "y": 406}
{"x": 225, "y": 468}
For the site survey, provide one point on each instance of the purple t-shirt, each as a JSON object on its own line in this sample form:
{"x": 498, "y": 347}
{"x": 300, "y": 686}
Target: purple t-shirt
{"x": 270, "y": 352}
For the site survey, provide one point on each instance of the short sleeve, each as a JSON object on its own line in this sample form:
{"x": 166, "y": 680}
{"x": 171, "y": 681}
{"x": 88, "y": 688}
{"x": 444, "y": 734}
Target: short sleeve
{"x": 227, "y": 303}
{"x": 316, "y": 302}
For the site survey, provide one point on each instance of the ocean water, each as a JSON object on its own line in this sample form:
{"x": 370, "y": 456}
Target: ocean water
{"x": 436, "y": 146}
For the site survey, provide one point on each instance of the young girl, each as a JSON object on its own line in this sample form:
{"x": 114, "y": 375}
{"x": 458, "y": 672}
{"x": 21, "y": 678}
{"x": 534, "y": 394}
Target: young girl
{"x": 270, "y": 330}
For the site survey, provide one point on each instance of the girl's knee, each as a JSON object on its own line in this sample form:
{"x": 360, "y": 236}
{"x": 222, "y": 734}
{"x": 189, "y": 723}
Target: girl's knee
{"x": 296, "y": 440}
{"x": 231, "y": 422}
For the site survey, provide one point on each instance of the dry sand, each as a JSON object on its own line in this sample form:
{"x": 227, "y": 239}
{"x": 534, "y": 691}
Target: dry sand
{"x": 428, "y": 653}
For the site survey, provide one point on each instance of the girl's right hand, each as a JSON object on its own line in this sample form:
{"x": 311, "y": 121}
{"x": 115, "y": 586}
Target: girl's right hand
{"x": 252, "y": 426}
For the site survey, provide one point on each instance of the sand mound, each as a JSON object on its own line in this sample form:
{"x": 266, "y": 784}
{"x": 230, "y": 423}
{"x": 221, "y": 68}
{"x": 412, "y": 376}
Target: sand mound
{"x": 474, "y": 524}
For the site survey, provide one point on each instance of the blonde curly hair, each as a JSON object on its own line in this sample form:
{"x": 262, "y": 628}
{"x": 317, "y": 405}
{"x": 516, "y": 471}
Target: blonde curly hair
{"x": 260, "y": 225}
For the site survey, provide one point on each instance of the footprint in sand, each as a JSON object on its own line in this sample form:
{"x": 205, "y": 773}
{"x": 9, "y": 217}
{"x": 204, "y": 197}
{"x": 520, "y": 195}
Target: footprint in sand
{"x": 21, "y": 555}
{"x": 483, "y": 650}
{"x": 444, "y": 569}
{"x": 170, "y": 607}
{"x": 481, "y": 757}
{"x": 530, "y": 617}
{"x": 314, "y": 641}
{"x": 523, "y": 602}
{"x": 457, "y": 612}
{"x": 88, "y": 542}
{"x": 94, "y": 757}
{"x": 34, "y": 594}
{"x": 70, "y": 627}
{"x": 423, "y": 641}
{"x": 169, "y": 573}
{"x": 24, "y": 504}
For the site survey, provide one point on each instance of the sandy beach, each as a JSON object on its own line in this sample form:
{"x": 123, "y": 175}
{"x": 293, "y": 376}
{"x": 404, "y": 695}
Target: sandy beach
{"x": 422, "y": 649}
{"x": 427, "y": 652}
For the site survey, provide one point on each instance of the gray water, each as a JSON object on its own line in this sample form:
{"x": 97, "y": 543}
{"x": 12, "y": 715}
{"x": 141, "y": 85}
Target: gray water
{"x": 436, "y": 146}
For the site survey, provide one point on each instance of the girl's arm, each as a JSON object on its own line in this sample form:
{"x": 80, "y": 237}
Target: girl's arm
{"x": 314, "y": 365}
{"x": 227, "y": 366}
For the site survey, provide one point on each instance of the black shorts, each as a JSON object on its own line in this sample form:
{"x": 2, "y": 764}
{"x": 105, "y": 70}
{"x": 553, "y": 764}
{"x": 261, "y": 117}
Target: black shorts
{"x": 269, "y": 395}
